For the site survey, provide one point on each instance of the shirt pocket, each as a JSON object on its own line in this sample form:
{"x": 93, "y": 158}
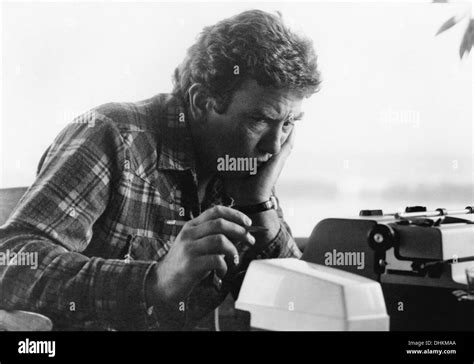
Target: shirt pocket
{"x": 147, "y": 248}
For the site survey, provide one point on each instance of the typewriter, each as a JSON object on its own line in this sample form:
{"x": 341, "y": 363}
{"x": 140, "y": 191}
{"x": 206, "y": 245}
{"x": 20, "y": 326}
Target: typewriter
{"x": 423, "y": 259}
{"x": 409, "y": 271}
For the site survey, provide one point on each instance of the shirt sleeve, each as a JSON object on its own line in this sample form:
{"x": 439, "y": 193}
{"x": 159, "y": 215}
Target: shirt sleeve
{"x": 52, "y": 224}
{"x": 283, "y": 245}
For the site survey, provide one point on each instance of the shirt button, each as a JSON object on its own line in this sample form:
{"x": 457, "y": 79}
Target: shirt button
{"x": 72, "y": 212}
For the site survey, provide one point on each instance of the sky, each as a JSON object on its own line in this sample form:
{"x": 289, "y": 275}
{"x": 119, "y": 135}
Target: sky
{"x": 395, "y": 106}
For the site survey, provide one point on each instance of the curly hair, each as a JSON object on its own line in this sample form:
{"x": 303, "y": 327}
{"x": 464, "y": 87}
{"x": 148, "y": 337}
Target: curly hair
{"x": 256, "y": 44}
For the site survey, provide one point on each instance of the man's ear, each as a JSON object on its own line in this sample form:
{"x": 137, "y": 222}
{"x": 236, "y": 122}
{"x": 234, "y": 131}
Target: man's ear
{"x": 199, "y": 101}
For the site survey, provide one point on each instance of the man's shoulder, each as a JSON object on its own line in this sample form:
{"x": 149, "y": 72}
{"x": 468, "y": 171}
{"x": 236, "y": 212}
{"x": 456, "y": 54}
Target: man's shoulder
{"x": 138, "y": 128}
{"x": 134, "y": 125}
{"x": 140, "y": 116}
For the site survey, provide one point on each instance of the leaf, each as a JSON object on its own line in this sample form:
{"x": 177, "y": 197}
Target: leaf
{"x": 448, "y": 24}
{"x": 467, "y": 40}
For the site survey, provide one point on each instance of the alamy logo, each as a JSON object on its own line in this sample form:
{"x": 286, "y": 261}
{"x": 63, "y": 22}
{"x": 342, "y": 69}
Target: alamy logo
{"x": 37, "y": 347}
{"x": 22, "y": 258}
{"x": 243, "y": 164}
{"x": 336, "y": 258}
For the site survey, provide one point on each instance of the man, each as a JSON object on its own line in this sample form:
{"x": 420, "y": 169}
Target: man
{"x": 136, "y": 221}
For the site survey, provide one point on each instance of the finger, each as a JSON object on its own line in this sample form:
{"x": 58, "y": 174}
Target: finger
{"x": 231, "y": 230}
{"x": 215, "y": 244}
{"x": 275, "y": 165}
{"x": 289, "y": 143}
{"x": 292, "y": 138}
{"x": 208, "y": 263}
{"x": 222, "y": 212}
{"x": 280, "y": 158}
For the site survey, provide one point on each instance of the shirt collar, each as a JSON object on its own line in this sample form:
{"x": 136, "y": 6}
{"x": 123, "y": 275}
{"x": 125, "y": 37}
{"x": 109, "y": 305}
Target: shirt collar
{"x": 177, "y": 151}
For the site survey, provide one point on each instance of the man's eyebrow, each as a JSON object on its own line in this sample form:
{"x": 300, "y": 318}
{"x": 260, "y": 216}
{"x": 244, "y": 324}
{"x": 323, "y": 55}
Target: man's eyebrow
{"x": 299, "y": 116}
{"x": 264, "y": 115}
{"x": 261, "y": 114}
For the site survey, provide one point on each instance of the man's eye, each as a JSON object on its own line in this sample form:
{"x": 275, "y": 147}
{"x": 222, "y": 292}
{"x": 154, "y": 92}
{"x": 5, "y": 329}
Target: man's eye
{"x": 257, "y": 123}
{"x": 288, "y": 124}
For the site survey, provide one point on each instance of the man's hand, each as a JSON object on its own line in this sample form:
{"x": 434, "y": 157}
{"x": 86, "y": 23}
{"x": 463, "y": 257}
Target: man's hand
{"x": 258, "y": 188}
{"x": 203, "y": 245}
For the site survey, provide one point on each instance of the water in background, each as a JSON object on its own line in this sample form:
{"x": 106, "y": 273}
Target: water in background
{"x": 390, "y": 185}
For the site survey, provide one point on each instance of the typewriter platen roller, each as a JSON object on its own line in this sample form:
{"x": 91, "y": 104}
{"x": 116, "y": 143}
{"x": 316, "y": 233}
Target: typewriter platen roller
{"x": 420, "y": 257}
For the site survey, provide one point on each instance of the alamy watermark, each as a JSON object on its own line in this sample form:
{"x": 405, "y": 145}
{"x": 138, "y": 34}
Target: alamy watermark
{"x": 88, "y": 118}
{"x": 242, "y": 164}
{"x": 22, "y": 258}
{"x": 335, "y": 258}
{"x": 28, "y": 346}
{"x": 400, "y": 117}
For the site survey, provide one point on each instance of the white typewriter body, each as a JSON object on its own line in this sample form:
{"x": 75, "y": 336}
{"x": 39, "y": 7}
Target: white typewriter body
{"x": 294, "y": 295}
{"x": 415, "y": 263}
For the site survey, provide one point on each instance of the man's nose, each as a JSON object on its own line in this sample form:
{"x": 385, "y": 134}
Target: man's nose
{"x": 271, "y": 142}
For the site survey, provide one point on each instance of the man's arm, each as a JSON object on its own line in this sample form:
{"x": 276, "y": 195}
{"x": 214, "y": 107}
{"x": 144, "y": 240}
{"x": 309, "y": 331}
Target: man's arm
{"x": 278, "y": 241}
{"x": 54, "y": 221}
{"x": 255, "y": 189}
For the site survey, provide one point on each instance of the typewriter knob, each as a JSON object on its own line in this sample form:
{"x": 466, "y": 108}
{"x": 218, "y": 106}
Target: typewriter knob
{"x": 415, "y": 209}
{"x": 371, "y": 213}
{"x": 381, "y": 237}
{"x": 378, "y": 238}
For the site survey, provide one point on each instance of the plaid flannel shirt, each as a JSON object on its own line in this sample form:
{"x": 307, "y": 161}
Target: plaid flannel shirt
{"x": 95, "y": 218}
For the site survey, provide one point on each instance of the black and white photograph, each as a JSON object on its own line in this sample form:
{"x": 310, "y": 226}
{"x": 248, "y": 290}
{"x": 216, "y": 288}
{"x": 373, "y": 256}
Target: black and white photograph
{"x": 195, "y": 167}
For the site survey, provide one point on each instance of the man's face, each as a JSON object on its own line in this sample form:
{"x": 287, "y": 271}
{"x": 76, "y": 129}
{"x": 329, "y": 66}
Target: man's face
{"x": 255, "y": 125}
